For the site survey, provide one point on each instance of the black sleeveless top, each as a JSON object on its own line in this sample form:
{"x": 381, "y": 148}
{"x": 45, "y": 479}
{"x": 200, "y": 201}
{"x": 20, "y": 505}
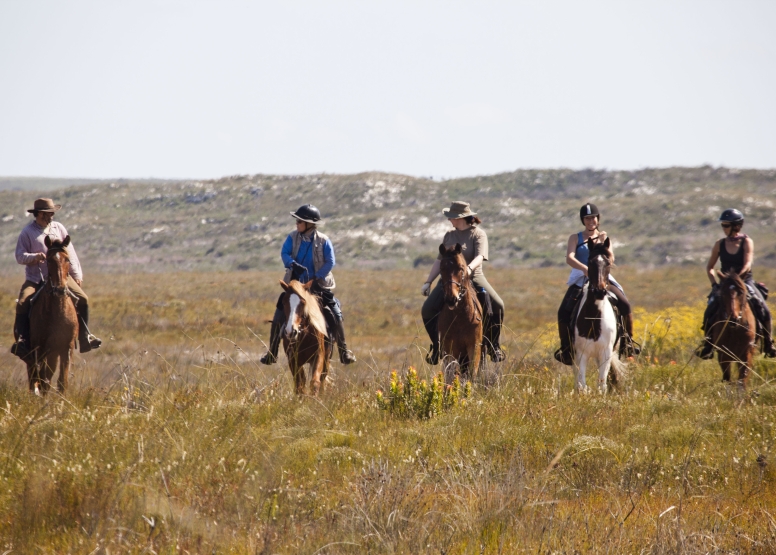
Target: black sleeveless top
{"x": 732, "y": 262}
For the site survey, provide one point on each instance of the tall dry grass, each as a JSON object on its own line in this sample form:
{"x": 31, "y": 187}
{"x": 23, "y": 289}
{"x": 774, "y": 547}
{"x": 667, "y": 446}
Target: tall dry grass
{"x": 173, "y": 439}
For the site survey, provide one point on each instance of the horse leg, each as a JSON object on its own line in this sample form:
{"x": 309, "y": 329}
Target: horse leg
{"x": 724, "y": 363}
{"x": 476, "y": 356}
{"x": 316, "y": 369}
{"x": 33, "y": 375}
{"x": 49, "y": 367}
{"x": 744, "y": 365}
{"x": 325, "y": 369}
{"x": 580, "y": 385}
{"x": 603, "y": 370}
{"x": 64, "y": 370}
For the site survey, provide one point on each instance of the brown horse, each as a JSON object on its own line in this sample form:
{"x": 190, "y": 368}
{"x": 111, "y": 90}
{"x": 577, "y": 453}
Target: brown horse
{"x": 733, "y": 328}
{"x": 460, "y": 322}
{"x": 304, "y": 336}
{"x": 53, "y": 323}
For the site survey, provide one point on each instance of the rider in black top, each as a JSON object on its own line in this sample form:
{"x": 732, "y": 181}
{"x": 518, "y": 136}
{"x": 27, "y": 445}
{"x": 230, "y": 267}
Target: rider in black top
{"x": 740, "y": 262}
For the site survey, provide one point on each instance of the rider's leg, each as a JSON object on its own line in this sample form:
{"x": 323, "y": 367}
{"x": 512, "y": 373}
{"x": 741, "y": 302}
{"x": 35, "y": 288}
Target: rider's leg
{"x": 492, "y": 335}
{"x": 566, "y": 352}
{"x": 763, "y": 315}
{"x": 278, "y": 319}
{"x": 706, "y": 350}
{"x": 629, "y": 348}
{"x": 86, "y": 341}
{"x": 338, "y": 327}
{"x": 432, "y": 306}
{"x": 21, "y": 326}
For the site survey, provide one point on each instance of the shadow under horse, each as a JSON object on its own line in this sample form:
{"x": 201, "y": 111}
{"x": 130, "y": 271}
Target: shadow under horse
{"x": 460, "y": 321}
{"x": 304, "y": 336}
{"x": 53, "y": 323}
{"x": 733, "y": 328}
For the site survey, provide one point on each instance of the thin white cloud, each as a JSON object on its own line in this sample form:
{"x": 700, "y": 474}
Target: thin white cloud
{"x": 474, "y": 114}
{"x": 409, "y": 129}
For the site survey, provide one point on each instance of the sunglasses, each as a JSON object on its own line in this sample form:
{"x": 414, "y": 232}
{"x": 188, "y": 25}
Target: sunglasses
{"x": 726, "y": 225}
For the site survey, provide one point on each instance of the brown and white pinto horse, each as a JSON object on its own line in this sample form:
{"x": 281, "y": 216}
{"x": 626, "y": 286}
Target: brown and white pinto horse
{"x": 733, "y": 328}
{"x": 53, "y": 323}
{"x": 460, "y": 322}
{"x": 595, "y": 327}
{"x": 304, "y": 336}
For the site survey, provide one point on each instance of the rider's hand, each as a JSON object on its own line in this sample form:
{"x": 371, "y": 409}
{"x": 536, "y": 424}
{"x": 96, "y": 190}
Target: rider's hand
{"x": 426, "y": 289}
{"x": 41, "y": 257}
{"x": 469, "y": 269}
{"x": 78, "y": 282}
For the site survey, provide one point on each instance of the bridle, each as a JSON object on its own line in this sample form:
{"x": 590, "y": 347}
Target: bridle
{"x": 593, "y": 288}
{"x": 58, "y": 290}
{"x": 462, "y": 287}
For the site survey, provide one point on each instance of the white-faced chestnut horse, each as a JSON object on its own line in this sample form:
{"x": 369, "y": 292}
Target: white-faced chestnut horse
{"x": 733, "y": 328}
{"x": 304, "y": 336}
{"x": 53, "y": 323}
{"x": 595, "y": 327}
{"x": 460, "y": 321}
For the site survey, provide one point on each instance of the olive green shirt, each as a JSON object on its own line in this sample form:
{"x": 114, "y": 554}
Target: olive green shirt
{"x": 473, "y": 241}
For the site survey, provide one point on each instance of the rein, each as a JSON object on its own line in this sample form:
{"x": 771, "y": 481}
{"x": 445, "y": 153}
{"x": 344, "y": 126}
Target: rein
{"x": 461, "y": 288}
{"x": 59, "y": 290}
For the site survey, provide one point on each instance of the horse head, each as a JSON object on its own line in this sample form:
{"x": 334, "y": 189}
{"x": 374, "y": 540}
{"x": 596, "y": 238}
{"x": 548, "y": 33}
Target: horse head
{"x": 598, "y": 265}
{"x": 302, "y": 309}
{"x": 732, "y": 291}
{"x": 58, "y": 263}
{"x": 453, "y": 274}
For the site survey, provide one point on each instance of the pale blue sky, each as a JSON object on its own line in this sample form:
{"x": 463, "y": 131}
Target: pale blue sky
{"x": 206, "y": 89}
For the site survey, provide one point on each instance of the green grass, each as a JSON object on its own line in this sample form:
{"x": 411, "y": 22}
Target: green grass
{"x": 174, "y": 439}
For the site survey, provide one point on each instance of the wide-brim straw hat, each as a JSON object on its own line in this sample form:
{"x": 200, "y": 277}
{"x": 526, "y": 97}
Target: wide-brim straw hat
{"x": 44, "y": 205}
{"x": 459, "y": 209}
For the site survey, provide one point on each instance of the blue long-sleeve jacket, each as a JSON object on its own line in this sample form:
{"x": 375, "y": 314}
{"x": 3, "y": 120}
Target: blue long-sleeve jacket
{"x": 305, "y": 258}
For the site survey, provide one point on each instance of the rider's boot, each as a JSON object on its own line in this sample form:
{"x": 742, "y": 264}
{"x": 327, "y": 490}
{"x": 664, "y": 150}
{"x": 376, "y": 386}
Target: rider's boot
{"x": 763, "y": 316}
{"x": 271, "y": 356}
{"x": 432, "y": 357}
{"x": 565, "y": 354}
{"x": 629, "y": 347}
{"x": 345, "y": 354}
{"x": 705, "y": 351}
{"x": 86, "y": 341}
{"x": 21, "y": 332}
{"x": 492, "y": 337}
{"x": 769, "y": 349}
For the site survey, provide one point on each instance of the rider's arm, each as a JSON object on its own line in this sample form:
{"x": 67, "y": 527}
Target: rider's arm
{"x": 712, "y": 261}
{"x": 285, "y": 252}
{"x": 24, "y": 254}
{"x": 748, "y": 256}
{"x": 328, "y": 260}
{"x": 601, "y": 238}
{"x": 475, "y": 263}
{"x": 480, "y": 250}
{"x": 571, "y": 254}
{"x": 432, "y": 275}
{"x": 75, "y": 265}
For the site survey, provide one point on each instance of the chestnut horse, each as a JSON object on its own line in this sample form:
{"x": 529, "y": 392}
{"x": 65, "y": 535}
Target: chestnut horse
{"x": 595, "y": 327}
{"x": 53, "y": 322}
{"x": 304, "y": 336}
{"x": 460, "y": 321}
{"x": 733, "y": 328}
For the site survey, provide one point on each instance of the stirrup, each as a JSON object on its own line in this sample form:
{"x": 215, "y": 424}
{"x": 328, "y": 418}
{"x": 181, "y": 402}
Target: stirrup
{"x": 347, "y": 356}
{"x": 496, "y": 354}
{"x": 268, "y": 358}
{"x": 705, "y": 351}
{"x": 20, "y": 349}
{"x": 630, "y": 347}
{"x": 432, "y": 357}
{"x": 564, "y": 357}
{"x": 770, "y": 353}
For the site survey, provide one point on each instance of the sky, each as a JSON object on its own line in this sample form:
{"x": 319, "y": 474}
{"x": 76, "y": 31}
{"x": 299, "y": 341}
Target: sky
{"x": 204, "y": 89}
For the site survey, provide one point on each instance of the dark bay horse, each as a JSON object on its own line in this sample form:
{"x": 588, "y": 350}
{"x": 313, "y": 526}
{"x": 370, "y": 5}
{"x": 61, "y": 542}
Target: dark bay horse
{"x": 53, "y": 323}
{"x": 304, "y": 336}
{"x": 733, "y": 328}
{"x": 460, "y": 321}
{"x": 595, "y": 327}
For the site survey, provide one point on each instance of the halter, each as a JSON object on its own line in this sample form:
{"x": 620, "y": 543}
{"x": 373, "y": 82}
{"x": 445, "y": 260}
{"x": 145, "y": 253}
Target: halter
{"x": 461, "y": 289}
{"x": 60, "y": 290}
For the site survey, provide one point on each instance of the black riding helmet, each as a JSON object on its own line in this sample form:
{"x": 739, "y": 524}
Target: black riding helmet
{"x": 589, "y": 209}
{"x": 732, "y": 215}
{"x": 308, "y": 213}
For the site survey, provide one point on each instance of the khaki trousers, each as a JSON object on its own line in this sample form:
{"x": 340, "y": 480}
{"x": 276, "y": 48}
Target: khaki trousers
{"x": 29, "y": 288}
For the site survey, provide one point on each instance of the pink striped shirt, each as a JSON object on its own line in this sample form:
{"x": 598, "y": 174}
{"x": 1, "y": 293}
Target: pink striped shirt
{"x": 31, "y": 242}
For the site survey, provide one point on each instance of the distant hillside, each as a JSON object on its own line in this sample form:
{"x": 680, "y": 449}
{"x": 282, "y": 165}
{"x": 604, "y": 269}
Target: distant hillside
{"x": 655, "y": 216}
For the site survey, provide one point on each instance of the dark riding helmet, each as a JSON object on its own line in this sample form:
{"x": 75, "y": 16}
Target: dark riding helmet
{"x": 732, "y": 215}
{"x": 589, "y": 209}
{"x": 308, "y": 213}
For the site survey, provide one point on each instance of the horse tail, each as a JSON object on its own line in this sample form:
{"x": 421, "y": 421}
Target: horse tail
{"x": 620, "y": 368}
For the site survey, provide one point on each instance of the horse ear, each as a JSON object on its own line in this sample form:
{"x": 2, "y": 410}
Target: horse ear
{"x": 607, "y": 243}
{"x": 458, "y": 248}
{"x": 66, "y": 242}
{"x": 284, "y": 285}
{"x": 47, "y": 242}
{"x": 442, "y": 249}
{"x": 308, "y": 285}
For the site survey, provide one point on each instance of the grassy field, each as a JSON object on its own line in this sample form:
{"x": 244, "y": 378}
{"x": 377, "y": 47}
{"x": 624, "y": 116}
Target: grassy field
{"x": 173, "y": 439}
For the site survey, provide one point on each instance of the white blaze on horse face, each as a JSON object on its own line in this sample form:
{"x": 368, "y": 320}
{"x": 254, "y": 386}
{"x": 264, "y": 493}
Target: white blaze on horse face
{"x": 293, "y": 301}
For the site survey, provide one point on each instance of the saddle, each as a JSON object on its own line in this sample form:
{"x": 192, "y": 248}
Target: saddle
{"x": 612, "y": 300}
{"x": 39, "y": 289}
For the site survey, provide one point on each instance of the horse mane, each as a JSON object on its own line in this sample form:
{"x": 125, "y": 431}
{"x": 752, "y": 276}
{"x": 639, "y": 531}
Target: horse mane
{"x": 312, "y": 308}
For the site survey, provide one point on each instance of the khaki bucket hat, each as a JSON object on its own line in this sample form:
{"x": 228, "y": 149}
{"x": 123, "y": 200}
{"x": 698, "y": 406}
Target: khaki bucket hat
{"x": 44, "y": 205}
{"x": 459, "y": 209}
